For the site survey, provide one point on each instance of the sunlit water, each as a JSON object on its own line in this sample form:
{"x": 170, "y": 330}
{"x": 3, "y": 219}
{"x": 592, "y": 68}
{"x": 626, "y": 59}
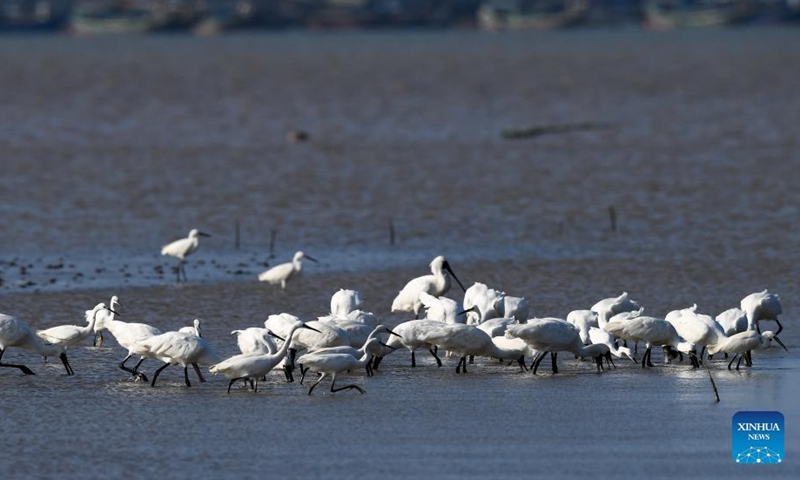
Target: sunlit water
{"x": 112, "y": 147}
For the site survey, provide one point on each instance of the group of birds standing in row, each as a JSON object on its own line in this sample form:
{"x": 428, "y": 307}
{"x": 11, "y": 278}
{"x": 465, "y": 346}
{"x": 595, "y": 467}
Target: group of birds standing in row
{"x": 487, "y": 323}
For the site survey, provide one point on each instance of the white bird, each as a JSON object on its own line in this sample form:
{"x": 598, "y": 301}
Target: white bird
{"x": 496, "y": 327}
{"x": 285, "y": 271}
{"x": 69, "y": 335}
{"x": 127, "y": 334}
{"x": 732, "y": 321}
{"x": 178, "y": 348}
{"x": 100, "y": 323}
{"x": 697, "y": 329}
{"x": 343, "y": 302}
{"x": 255, "y": 340}
{"x": 744, "y": 342}
{"x": 357, "y": 352}
{"x": 554, "y": 335}
{"x": 762, "y": 306}
{"x": 194, "y": 329}
{"x": 652, "y": 331}
{"x": 608, "y": 307}
{"x": 442, "y": 309}
{"x": 583, "y": 320}
{"x": 182, "y": 248}
{"x": 333, "y": 364}
{"x": 251, "y": 367}
{"x": 515, "y": 307}
{"x": 465, "y": 340}
{"x": 410, "y": 334}
{"x": 482, "y": 303}
{"x": 16, "y": 333}
{"x": 597, "y": 335}
{"x": 436, "y": 284}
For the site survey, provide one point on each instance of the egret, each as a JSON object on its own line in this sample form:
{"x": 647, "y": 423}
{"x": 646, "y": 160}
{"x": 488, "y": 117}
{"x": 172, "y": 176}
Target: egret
{"x": 193, "y": 329}
{"x": 286, "y": 271}
{"x": 178, "y": 348}
{"x": 127, "y": 334}
{"x": 741, "y": 343}
{"x": 333, "y": 364}
{"x": 16, "y": 333}
{"x": 358, "y": 352}
{"x": 652, "y": 331}
{"x": 102, "y": 315}
{"x": 68, "y": 335}
{"x": 436, "y": 284}
{"x": 182, "y": 248}
{"x": 251, "y": 367}
{"x": 762, "y": 306}
{"x": 609, "y": 307}
{"x": 554, "y": 335}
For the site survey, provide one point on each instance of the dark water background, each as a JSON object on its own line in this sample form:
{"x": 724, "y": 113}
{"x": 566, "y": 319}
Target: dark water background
{"x": 110, "y": 147}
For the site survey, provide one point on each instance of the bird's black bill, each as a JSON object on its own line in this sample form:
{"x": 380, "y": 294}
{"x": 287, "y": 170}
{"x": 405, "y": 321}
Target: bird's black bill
{"x": 311, "y": 258}
{"x": 780, "y": 343}
{"x": 311, "y": 328}
{"x": 473, "y": 308}
{"x": 203, "y": 234}
{"x": 113, "y": 311}
{"x": 270, "y": 333}
{"x": 446, "y": 266}
{"x": 392, "y": 333}
{"x": 388, "y": 346}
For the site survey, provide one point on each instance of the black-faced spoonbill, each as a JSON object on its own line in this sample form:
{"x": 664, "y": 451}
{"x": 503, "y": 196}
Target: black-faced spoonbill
{"x": 608, "y": 307}
{"x": 182, "y": 248}
{"x": 762, "y": 306}
{"x": 554, "y": 335}
{"x": 16, "y": 333}
{"x": 465, "y": 340}
{"x": 344, "y": 301}
{"x": 482, "y": 303}
{"x": 436, "y": 284}
{"x": 741, "y": 343}
{"x": 252, "y": 367}
{"x": 286, "y": 271}
{"x": 127, "y": 334}
{"x": 652, "y": 331}
{"x": 68, "y": 335}
{"x": 410, "y": 337}
{"x": 334, "y": 364}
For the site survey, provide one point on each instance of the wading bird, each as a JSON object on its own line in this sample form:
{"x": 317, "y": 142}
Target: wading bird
{"x": 286, "y": 271}
{"x": 436, "y": 284}
{"x": 742, "y": 343}
{"x": 16, "y": 333}
{"x": 554, "y": 335}
{"x": 182, "y": 248}
{"x": 68, "y": 335}
{"x": 102, "y": 316}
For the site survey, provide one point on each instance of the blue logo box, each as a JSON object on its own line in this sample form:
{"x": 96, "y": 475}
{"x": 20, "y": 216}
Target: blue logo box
{"x": 758, "y": 438}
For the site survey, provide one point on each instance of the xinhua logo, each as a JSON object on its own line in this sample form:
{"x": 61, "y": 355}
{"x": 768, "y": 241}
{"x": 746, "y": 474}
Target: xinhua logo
{"x": 758, "y": 438}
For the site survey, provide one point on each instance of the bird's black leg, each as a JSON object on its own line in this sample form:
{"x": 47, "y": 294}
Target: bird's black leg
{"x": 740, "y": 361}
{"x": 434, "y": 352}
{"x": 230, "y": 384}
{"x": 521, "y": 362}
{"x": 155, "y": 375}
{"x": 732, "y": 360}
{"x": 186, "y": 375}
{"x": 376, "y": 361}
{"x": 197, "y": 371}
{"x": 25, "y": 370}
{"x": 413, "y": 359}
{"x": 133, "y": 371}
{"x": 471, "y": 359}
{"x": 346, "y": 387}
{"x": 317, "y": 383}
{"x": 553, "y": 357}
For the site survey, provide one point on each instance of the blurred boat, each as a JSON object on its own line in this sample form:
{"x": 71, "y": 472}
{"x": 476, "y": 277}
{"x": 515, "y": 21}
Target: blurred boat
{"x": 531, "y": 14}
{"x": 665, "y": 14}
{"x": 33, "y": 15}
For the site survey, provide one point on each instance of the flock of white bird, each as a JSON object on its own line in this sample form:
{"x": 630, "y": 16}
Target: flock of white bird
{"x": 487, "y": 323}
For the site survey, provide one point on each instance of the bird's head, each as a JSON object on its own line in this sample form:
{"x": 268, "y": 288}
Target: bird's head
{"x": 769, "y": 337}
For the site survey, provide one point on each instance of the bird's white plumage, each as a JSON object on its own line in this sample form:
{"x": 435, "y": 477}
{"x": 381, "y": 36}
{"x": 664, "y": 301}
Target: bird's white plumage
{"x": 281, "y": 274}
{"x": 68, "y": 335}
{"x": 436, "y": 284}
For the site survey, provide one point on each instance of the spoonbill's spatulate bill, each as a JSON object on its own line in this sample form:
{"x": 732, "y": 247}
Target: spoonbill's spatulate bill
{"x": 436, "y": 284}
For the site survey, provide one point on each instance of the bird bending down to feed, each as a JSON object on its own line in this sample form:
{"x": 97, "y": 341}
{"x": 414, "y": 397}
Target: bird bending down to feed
{"x": 333, "y": 364}
{"x": 182, "y": 248}
{"x": 178, "y": 348}
{"x": 554, "y": 335}
{"x": 436, "y": 284}
{"x": 741, "y": 344}
{"x": 16, "y": 333}
{"x": 762, "y": 306}
{"x": 251, "y": 367}
{"x": 286, "y": 271}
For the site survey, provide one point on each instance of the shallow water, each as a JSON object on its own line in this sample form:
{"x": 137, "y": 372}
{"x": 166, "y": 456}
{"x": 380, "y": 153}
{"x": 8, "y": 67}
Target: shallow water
{"x": 111, "y": 147}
